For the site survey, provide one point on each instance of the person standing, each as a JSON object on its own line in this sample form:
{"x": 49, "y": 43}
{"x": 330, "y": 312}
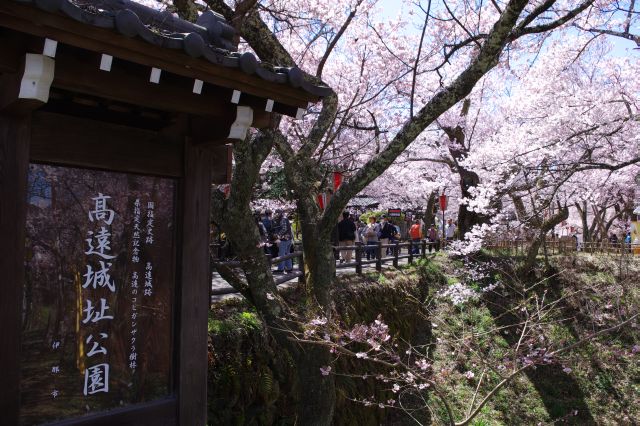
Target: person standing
{"x": 432, "y": 236}
{"x": 370, "y": 235}
{"x": 450, "y": 230}
{"x": 346, "y": 236}
{"x": 266, "y": 221}
{"x": 269, "y": 225}
{"x": 284, "y": 233}
{"x": 387, "y": 232}
{"x": 415, "y": 232}
{"x": 263, "y": 233}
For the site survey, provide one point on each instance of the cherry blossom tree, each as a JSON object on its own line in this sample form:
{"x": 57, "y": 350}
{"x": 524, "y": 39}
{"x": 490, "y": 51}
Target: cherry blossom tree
{"x": 393, "y": 82}
{"x": 569, "y": 132}
{"x": 388, "y": 87}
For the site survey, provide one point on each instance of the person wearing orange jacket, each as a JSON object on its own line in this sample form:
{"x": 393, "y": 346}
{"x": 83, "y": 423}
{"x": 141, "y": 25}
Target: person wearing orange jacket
{"x": 415, "y": 232}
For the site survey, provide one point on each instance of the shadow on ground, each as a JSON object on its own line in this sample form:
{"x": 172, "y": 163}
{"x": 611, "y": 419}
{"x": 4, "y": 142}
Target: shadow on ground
{"x": 559, "y": 391}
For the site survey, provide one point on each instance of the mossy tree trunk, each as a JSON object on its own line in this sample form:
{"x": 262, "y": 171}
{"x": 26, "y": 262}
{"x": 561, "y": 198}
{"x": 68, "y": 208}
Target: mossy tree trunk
{"x": 542, "y": 227}
{"x": 459, "y": 148}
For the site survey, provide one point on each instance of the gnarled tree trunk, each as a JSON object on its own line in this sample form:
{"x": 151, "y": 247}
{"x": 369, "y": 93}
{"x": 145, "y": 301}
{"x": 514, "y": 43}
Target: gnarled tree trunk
{"x": 467, "y": 219}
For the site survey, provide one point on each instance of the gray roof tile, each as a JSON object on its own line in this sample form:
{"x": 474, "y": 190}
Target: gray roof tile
{"x": 210, "y": 38}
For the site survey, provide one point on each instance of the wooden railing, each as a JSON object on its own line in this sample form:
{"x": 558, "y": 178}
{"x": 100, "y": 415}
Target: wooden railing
{"x": 377, "y": 258}
{"x": 556, "y": 247}
{"x": 414, "y": 250}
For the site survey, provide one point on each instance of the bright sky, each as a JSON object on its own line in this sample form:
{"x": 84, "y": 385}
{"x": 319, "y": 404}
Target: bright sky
{"x": 622, "y": 47}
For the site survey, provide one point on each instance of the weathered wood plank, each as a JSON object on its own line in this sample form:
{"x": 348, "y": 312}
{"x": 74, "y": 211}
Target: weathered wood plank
{"x": 161, "y": 412}
{"x": 194, "y": 284}
{"x": 89, "y": 143}
{"x": 221, "y": 164}
{"x": 80, "y": 74}
{"x": 14, "y": 165}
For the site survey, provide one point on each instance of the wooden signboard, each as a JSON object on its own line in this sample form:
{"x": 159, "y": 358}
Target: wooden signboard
{"x": 99, "y": 292}
{"x": 394, "y": 212}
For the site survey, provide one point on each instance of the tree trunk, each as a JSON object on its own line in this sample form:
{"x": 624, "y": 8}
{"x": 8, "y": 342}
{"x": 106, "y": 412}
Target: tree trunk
{"x": 320, "y": 264}
{"x": 582, "y": 211}
{"x": 547, "y": 225}
{"x": 467, "y": 219}
{"x": 316, "y": 393}
{"x": 429, "y": 215}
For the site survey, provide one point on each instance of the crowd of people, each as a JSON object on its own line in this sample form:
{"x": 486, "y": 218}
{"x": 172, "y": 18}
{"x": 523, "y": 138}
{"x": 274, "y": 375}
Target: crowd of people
{"x": 351, "y": 230}
{"x": 277, "y": 236}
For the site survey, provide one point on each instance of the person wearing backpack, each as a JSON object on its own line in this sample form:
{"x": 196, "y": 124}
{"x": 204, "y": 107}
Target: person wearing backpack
{"x": 346, "y": 236}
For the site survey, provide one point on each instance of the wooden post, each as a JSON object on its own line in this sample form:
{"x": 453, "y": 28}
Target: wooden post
{"x": 410, "y": 252}
{"x": 194, "y": 284}
{"x": 379, "y": 257}
{"x": 424, "y": 249}
{"x": 358, "y": 258}
{"x": 301, "y": 279}
{"x": 14, "y": 166}
{"x": 396, "y": 253}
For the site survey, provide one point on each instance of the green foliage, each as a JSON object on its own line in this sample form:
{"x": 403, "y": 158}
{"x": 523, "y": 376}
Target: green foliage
{"x": 237, "y": 322}
{"x": 603, "y": 384}
{"x": 378, "y": 213}
{"x": 277, "y": 188}
{"x": 251, "y": 383}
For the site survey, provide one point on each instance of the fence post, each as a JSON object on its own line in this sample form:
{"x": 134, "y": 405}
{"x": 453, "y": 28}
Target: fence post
{"x": 358, "y": 257}
{"x": 301, "y": 279}
{"x": 379, "y": 257}
{"x": 396, "y": 253}
{"x": 410, "y": 252}
{"x": 424, "y": 248}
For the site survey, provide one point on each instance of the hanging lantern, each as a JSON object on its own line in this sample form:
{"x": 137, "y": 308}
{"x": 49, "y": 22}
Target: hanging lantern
{"x": 443, "y": 202}
{"x": 337, "y": 180}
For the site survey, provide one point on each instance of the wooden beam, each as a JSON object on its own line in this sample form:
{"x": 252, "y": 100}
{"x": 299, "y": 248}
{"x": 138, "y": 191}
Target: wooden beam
{"x": 14, "y": 165}
{"x": 221, "y": 163}
{"x": 161, "y": 412}
{"x": 205, "y": 132}
{"x": 194, "y": 286}
{"x": 90, "y": 143}
{"x": 14, "y": 45}
{"x": 65, "y": 30}
{"x": 28, "y": 88}
{"x": 262, "y": 119}
{"x": 11, "y": 50}
{"x": 81, "y": 74}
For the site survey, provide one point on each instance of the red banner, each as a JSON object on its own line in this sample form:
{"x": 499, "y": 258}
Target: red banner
{"x": 443, "y": 202}
{"x": 337, "y": 180}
